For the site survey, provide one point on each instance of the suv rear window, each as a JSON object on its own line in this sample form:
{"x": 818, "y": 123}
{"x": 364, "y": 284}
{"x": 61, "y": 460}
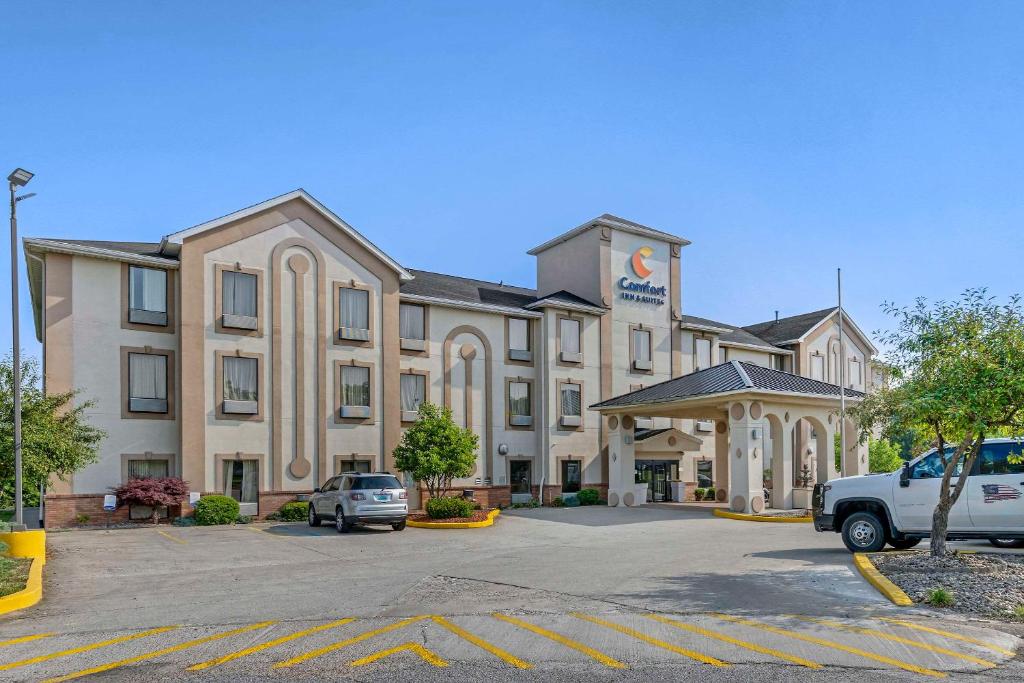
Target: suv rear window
{"x": 382, "y": 482}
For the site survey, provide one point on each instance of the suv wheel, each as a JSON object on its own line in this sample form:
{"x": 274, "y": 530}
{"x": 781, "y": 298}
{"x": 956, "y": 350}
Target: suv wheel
{"x": 904, "y": 543}
{"x": 1007, "y": 542}
{"x": 340, "y": 523}
{"x": 314, "y": 519}
{"x": 863, "y": 533}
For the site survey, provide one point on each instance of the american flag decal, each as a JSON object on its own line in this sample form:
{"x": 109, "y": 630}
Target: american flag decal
{"x": 994, "y": 492}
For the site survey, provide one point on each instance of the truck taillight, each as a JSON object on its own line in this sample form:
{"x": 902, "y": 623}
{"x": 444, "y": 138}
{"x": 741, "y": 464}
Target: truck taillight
{"x": 402, "y": 495}
{"x": 357, "y": 496}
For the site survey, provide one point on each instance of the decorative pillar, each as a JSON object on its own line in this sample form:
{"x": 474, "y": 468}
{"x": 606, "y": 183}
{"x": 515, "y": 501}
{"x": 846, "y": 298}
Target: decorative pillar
{"x": 621, "y": 462}
{"x": 721, "y": 471}
{"x": 783, "y": 466}
{"x": 746, "y": 457}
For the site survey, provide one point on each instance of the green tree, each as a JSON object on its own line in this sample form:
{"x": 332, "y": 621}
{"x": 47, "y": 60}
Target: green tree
{"x": 435, "y": 450}
{"x": 883, "y": 456}
{"x": 56, "y": 440}
{"x": 958, "y": 376}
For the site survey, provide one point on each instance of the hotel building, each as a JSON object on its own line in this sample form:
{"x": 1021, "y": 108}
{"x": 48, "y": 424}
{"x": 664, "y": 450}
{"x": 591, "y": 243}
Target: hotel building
{"x": 260, "y": 353}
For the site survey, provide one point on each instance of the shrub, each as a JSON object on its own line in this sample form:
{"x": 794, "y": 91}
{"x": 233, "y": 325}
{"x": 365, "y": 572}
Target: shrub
{"x": 154, "y": 492}
{"x": 558, "y": 502}
{"x": 210, "y": 510}
{"x": 709, "y": 494}
{"x": 588, "y": 496}
{"x": 82, "y": 519}
{"x": 939, "y": 597}
{"x": 448, "y": 507}
{"x": 294, "y": 511}
{"x": 698, "y": 493}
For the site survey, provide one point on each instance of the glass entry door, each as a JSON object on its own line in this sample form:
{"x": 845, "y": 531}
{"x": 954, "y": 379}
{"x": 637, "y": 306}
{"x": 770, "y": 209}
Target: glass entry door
{"x": 657, "y": 474}
{"x": 519, "y": 476}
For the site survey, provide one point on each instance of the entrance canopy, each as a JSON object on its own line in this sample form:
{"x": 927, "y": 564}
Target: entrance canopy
{"x": 760, "y": 417}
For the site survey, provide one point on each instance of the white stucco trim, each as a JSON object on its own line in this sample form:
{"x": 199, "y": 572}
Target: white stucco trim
{"x": 632, "y": 228}
{"x": 566, "y": 306}
{"x": 467, "y": 305}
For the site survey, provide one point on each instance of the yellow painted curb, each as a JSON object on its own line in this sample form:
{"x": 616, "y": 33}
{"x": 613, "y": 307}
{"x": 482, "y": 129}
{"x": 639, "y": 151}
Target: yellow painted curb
{"x": 26, "y": 544}
{"x": 761, "y": 518}
{"x": 457, "y": 525}
{"x": 890, "y": 590}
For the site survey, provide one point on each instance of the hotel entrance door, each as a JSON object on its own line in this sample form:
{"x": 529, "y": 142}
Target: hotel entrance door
{"x": 657, "y": 474}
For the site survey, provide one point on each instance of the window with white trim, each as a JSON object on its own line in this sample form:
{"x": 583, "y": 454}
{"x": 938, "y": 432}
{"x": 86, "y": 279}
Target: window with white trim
{"x": 147, "y": 295}
{"x": 238, "y": 299}
{"x": 520, "y": 407}
{"x": 642, "y": 350}
{"x": 147, "y": 383}
{"x": 701, "y": 353}
{"x": 519, "y": 340}
{"x": 148, "y": 469}
{"x": 569, "y": 340}
{"x": 571, "y": 404}
{"x": 413, "y": 391}
{"x": 241, "y": 385}
{"x": 355, "y": 391}
{"x": 353, "y": 314}
{"x": 412, "y": 326}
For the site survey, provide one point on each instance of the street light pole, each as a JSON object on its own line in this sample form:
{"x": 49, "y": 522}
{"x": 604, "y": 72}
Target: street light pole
{"x": 18, "y": 178}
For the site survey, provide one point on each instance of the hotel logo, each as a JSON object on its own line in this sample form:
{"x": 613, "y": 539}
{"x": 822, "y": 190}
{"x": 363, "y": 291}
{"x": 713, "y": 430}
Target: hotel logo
{"x": 639, "y": 266}
{"x": 643, "y": 291}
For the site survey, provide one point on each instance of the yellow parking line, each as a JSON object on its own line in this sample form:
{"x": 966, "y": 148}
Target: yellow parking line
{"x": 897, "y": 639}
{"x": 653, "y": 641}
{"x": 736, "y": 641}
{"x": 482, "y": 644}
{"x": 273, "y": 643}
{"x": 907, "y": 666}
{"x": 158, "y": 653}
{"x": 86, "y": 648}
{"x": 424, "y": 654}
{"x": 173, "y": 538}
{"x": 579, "y": 647}
{"x": 24, "y": 639}
{"x": 345, "y": 643}
{"x": 948, "y": 634}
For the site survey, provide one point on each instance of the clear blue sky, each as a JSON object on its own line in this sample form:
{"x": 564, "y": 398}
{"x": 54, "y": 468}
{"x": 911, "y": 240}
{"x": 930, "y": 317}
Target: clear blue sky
{"x": 783, "y": 139}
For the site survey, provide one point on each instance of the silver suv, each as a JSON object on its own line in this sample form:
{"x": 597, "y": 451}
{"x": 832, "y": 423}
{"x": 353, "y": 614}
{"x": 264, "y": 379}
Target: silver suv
{"x": 355, "y": 498}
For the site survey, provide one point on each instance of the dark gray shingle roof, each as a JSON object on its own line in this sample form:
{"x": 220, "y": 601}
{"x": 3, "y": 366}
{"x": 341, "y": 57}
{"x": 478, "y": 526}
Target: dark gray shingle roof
{"x": 793, "y": 327}
{"x": 426, "y": 283}
{"x": 565, "y": 297}
{"x": 731, "y": 376}
{"x": 133, "y": 248}
{"x": 736, "y": 335}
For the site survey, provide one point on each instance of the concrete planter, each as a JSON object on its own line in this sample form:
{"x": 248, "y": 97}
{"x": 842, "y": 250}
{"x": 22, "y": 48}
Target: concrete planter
{"x": 802, "y": 498}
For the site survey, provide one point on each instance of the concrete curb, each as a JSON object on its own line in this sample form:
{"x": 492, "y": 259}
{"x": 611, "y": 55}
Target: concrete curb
{"x": 761, "y": 518}
{"x": 26, "y": 544}
{"x": 890, "y": 590}
{"x": 457, "y": 525}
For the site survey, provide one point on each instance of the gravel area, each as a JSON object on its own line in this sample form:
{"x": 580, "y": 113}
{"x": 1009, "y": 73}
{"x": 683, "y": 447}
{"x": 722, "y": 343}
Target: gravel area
{"x": 982, "y": 585}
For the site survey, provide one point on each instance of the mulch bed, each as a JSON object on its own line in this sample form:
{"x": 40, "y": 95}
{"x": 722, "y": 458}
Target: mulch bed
{"x": 984, "y": 585}
{"x": 477, "y": 516}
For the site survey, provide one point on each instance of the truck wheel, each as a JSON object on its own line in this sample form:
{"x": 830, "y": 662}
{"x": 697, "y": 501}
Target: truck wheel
{"x": 863, "y": 533}
{"x": 1007, "y": 542}
{"x": 904, "y": 543}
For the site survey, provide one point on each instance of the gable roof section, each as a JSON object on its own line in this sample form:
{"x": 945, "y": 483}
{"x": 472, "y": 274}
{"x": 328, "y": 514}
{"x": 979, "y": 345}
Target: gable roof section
{"x": 610, "y": 221}
{"x": 795, "y": 328}
{"x": 730, "y": 334}
{"x": 468, "y": 290}
{"x": 172, "y": 242}
{"x": 728, "y": 377}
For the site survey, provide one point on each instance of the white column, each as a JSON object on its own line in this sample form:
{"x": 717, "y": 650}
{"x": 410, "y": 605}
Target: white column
{"x": 721, "y": 471}
{"x": 782, "y": 468}
{"x": 746, "y": 460}
{"x": 621, "y": 462}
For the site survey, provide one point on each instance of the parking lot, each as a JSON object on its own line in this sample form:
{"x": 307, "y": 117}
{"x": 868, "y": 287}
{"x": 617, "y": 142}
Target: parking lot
{"x": 556, "y": 594}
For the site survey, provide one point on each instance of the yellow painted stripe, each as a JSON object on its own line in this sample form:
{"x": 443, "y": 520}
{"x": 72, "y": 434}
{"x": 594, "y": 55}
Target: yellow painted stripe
{"x": 906, "y": 666}
{"x": 882, "y": 584}
{"x": 424, "y": 654}
{"x": 269, "y": 644}
{"x": 782, "y": 519}
{"x": 457, "y": 525}
{"x": 898, "y": 639}
{"x": 25, "y": 639}
{"x": 173, "y": 538}
{"x": 948, "y": 634}
{"x": 652, "y": 641}
{"x": 558, "y": 638}
{"x": 345, "y": 643}
{"x": 736, "y": 641}
{"x": 86, "y": 648}
{"x": 159, "y": 653}
{"x": 481, "y": 643}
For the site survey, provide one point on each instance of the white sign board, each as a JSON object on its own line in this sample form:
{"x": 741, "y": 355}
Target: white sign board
{"x": 193, "y": 497}
{"x": 110, "y": 502}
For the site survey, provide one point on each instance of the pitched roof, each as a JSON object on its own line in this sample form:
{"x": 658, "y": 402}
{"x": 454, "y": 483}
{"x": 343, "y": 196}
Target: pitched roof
{"x": 608, "y": 220}
{"x": 729, "y": 333}
{"x": 136, "y": 252}
{"x": 726, "y": 377}
{"x": 791, "y": 328}
{"x": 455, "y": 288}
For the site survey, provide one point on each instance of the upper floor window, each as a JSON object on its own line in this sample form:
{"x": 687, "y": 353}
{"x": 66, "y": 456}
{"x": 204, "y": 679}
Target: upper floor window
{"x": 723, "y": 354}
{"x": 818, "y": 367}
{"x": 239, "y": 300}
{"x": 520, "y": 405}
{"x": 571, "y": 404}
{"x": 147, "y": 296}
{"x": 519, "y": 347}
{"x": 413, "y": 392}
{"x": 778, "y": 362}
{"x": 241, "y": 382}
{"x": 570, "y": 348}
{"x": 856, "y": 378}
{"x": 147, "y": 383}
{"x": 355, "y": 391}
{"x": 641, "y": 350}
{"x": 353, "y": 314}
{"x": 412, "y": 326}
{"x": 701, "y": 354}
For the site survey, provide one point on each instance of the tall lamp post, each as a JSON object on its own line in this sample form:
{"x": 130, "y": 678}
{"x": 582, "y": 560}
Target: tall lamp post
{"x": 19, "y": 177}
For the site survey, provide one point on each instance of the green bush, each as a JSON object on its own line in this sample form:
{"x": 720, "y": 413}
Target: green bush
{"x": 210, "y": 510}
{"x": 448, "y": 507}
{"x": 698, "y": 493}
{"x": 710, "y": 493}
{"x": 939, "y": 597}
{"x": 588, "y": 496}
{"x": 294, "y": 511}
{"x": 558, "y": 502}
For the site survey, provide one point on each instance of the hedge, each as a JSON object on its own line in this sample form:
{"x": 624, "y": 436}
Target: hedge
{"x": 448, "y": 507}
{"x": 210, "y": 510}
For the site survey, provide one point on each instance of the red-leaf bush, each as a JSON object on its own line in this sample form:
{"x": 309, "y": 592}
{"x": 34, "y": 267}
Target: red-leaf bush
{"x": 153, "y": 492}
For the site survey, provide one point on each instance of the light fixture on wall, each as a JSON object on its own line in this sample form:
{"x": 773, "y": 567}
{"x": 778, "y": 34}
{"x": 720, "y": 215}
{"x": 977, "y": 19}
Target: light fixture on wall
{"x": 755, "y": 433}
{"x": 502, "y": 449}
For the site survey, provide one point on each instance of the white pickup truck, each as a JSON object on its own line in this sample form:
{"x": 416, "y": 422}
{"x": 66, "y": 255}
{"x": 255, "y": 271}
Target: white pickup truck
{"x": 896, "y": 508}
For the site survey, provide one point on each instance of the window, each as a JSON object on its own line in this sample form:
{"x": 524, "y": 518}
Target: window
{"x": 238, "y": 300}
{"x": 818, "y": 367}
{"x": 572, "y": 476}
{"x": 384, "y": 481}
{"x": 412, "y": 327}
{"x": 520, "y": 407}
{"x": 778, "y": 362}
{"x": 146, "y": 469}
{"x": 353, "y": 314}
{"x": 855, "y": 377}
{"x": 519, "y": 340}
{"x": 414, "y": 393}
{"x": 241, "y": 482}
{"x": 723, "y": 354}
{"x": 147, "y": 383}
{"x": 351, "y": 465}
{"x": 241, "y": 382}
{"x": 571, "y": 404}
{"x": 569, "y": 340}
{"x": 1001, "y": 458}
{"x": 641, "y": 345}
{"x": 147, "y": 296}
{"x": 705, "y": 472}
{"x": 701, "y": 354}
{"x": 932, "y": 467}
{"x": 355, "y": 391}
